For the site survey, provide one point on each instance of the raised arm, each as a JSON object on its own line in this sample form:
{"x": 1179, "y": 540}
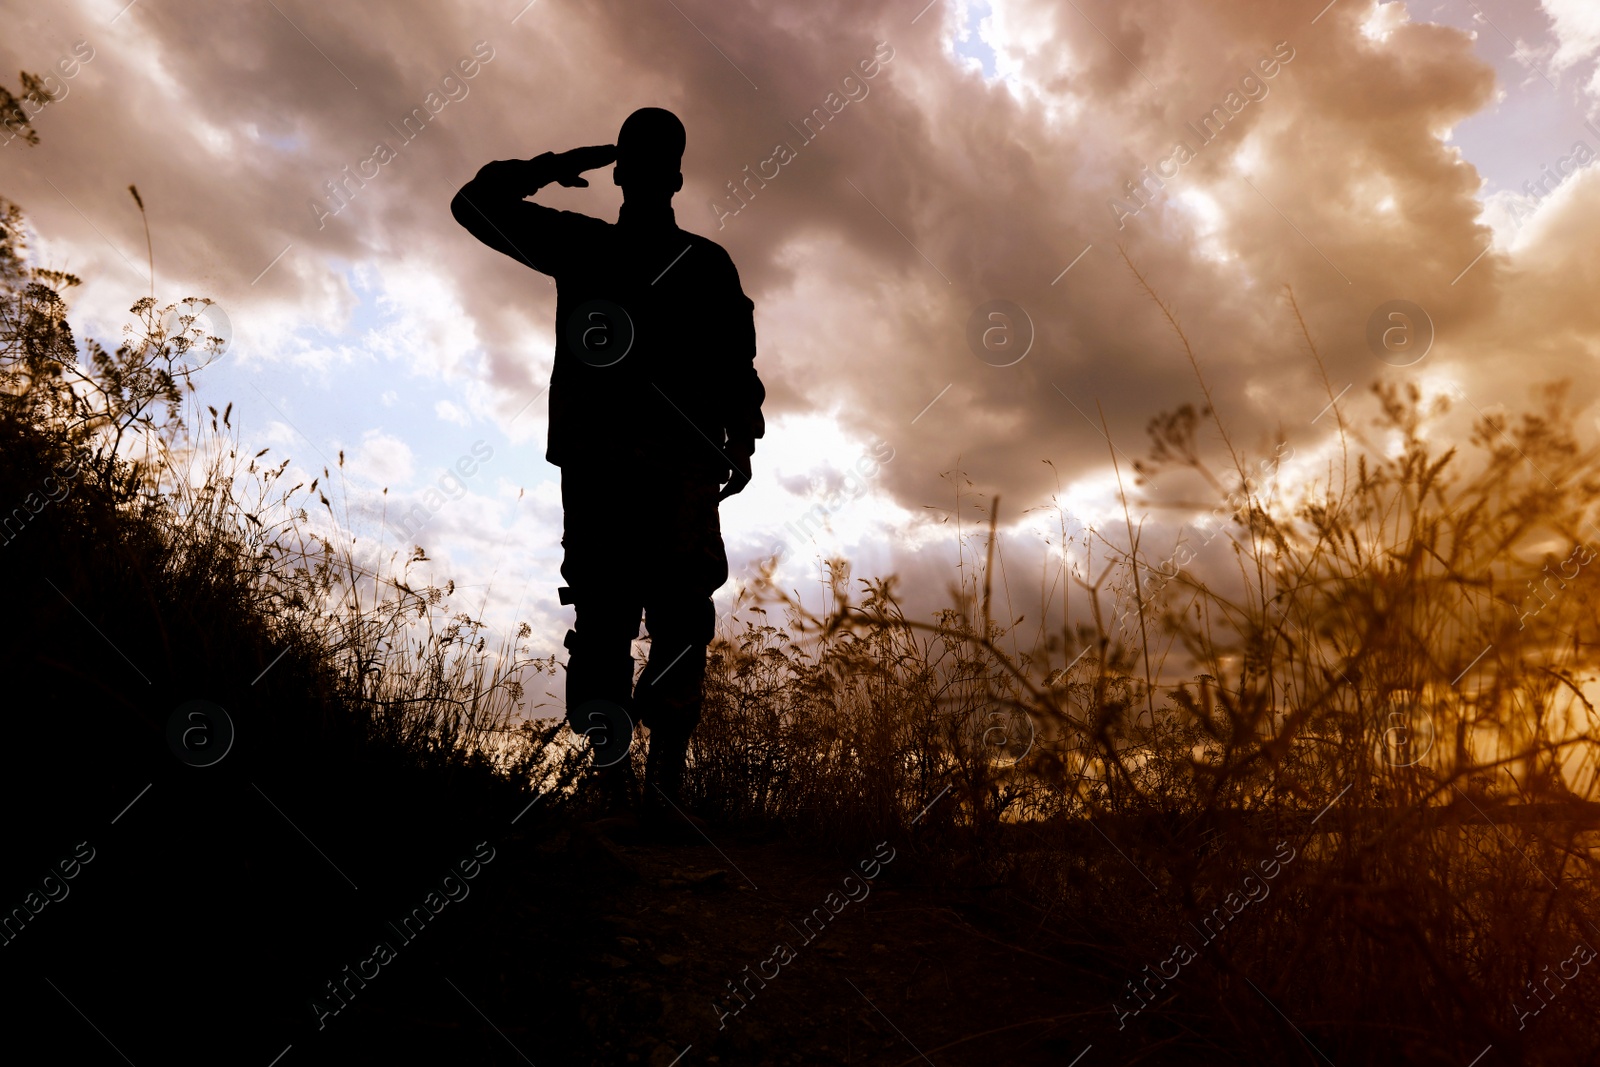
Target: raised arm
{"x": 492, "y": 206}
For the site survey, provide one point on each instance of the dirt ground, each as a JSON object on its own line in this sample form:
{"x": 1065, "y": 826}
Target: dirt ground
{"x": 888, "y": 978}
{"x": 831, "y": 970}
{"x": 608, "y": 949}
{"x": 237, "y": 920}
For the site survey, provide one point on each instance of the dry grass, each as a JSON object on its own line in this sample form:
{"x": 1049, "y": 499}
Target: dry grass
{"x": 1368, "y": 689}
{"x": 215, "y": 543}
{"x": 1372, "y": 687}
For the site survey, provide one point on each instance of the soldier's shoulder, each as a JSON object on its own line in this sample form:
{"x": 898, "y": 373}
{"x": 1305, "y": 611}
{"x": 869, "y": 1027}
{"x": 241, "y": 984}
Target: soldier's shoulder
{"x": 709, "y": 250}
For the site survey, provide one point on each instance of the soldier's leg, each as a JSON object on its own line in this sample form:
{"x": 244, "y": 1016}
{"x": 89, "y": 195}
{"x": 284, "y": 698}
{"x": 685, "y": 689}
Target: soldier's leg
{"x": 600, "y": 668}
{"x": 688, "y": 563}
{"x": 608, "y": 607}
{"x": 671, "y": 689}
{"x": 600, "y": 646}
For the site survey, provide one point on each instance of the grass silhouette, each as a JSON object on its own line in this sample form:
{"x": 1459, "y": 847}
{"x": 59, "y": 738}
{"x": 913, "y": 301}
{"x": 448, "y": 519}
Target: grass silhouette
{"x": 1391, "y": 684}
{"x": 1366, "y": 703}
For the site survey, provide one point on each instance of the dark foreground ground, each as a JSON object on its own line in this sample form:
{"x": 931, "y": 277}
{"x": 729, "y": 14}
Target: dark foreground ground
{"x": 567, "y": 945}
{"x": 889, "y": 978}
{"x": 397, "y": 916}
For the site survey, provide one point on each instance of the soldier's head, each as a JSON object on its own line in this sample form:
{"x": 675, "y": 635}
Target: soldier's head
{"x": 649, "y": 154}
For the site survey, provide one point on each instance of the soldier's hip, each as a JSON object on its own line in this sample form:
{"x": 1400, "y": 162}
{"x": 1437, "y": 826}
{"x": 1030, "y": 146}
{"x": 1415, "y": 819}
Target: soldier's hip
{"x": 662, "y": 536}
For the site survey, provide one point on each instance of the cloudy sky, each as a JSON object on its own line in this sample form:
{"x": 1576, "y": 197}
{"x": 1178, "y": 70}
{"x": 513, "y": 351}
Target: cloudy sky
{"x": 1360, "y": 153}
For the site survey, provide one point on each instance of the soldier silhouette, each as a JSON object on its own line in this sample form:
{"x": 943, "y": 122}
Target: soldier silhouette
{"x": 654, "y": 404}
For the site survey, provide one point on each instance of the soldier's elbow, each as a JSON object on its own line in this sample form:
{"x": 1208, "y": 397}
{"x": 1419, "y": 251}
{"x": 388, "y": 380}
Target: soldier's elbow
{"x": 470, "y": 217}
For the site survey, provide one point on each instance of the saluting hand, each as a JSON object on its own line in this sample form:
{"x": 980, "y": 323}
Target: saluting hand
{"x": 575, "y": 161}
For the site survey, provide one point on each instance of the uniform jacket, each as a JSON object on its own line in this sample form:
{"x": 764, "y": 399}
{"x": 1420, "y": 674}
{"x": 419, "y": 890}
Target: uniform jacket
{"x": 687, "y": 383}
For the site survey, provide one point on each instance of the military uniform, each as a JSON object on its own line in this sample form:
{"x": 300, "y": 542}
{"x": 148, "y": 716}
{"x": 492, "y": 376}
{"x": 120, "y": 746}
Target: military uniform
{"x": 653, "y": 389}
